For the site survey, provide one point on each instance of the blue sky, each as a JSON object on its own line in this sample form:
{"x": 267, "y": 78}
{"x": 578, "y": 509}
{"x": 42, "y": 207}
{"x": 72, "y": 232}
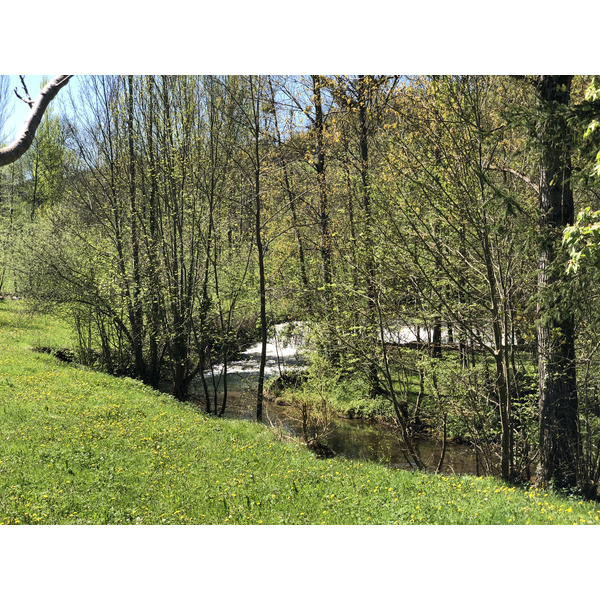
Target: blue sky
{"x": 20, "y": 109}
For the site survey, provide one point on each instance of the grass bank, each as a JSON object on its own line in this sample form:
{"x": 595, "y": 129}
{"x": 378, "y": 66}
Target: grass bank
{"x": 80, "y": 447}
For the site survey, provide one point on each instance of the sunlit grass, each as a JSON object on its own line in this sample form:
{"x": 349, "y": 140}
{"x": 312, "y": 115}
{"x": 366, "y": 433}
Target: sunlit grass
{"x": 77, "y": 446}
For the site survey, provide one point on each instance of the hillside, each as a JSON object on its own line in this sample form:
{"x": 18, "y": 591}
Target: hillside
{"x": 82, "y": 447}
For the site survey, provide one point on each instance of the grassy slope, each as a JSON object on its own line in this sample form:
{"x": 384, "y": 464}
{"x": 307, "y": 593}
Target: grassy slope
{"x": 78, "y": 446}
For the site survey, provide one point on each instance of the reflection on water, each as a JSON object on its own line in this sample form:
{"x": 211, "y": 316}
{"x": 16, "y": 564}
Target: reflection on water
{"x": 353, "y": 439}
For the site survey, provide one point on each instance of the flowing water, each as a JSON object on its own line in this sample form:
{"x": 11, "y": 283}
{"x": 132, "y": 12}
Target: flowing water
{"x": 349, "y": 438}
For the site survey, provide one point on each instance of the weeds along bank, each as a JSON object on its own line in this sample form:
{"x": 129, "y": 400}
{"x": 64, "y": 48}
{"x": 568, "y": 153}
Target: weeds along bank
{"x": 78, "y": 446}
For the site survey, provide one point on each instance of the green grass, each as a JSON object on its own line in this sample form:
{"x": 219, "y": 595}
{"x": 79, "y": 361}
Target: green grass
{"x": 77, "y": 446}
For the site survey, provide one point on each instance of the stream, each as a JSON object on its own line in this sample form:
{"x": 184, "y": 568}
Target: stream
{"x": 354, "y": 439}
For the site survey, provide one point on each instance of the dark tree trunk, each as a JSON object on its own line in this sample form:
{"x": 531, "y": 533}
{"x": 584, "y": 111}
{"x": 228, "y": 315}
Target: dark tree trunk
{"x": 373, "y": 377}
{"x": 558, "y": 403}
{"x": 324, "y": 223}
{"x": 256, "y": 101}
{"x": 323, "y": 202}
{"x": 152, "y": 245}
{"x": 136, "y": 313}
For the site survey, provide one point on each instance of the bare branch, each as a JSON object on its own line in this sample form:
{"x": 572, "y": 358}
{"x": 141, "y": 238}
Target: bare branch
{"x": 517, "y": 174}
{"x": 29, "y": 101}
{"x": 14, "y": 151}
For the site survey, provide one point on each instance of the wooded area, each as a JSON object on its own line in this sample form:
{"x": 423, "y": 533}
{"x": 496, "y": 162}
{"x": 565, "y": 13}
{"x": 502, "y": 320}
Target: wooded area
{"x": 174, "y": 219}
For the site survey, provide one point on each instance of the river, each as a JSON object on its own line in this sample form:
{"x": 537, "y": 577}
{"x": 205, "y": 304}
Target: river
{"x": 354, "y": 439}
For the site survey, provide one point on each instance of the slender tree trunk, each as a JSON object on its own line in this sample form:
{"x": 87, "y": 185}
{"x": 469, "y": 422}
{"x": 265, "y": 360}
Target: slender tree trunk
{"x": 499, "y": 349}
{"x": 324, "y": 223}
{"x": 255, "y": 98}
{"x": 204, "y": 305}
{"x": 499, "y": 354}
{"x": 400, "y": 408}
{"x": 374, "y": 384}
{"x": 292, "y": 200}
{"x": 152, "y": 245}
{"x": 436, "y": 351}
{"x": 352, "y": 224}
{"x": 136, "y": 313}
{"x": 462, "y": 338}
{"x": 120, "y": 226}
{"x": 205, "y": 301}
{"x": 35, "y": 186}
{"x": 174, "y": 177}
{"x": 263, "y": 303}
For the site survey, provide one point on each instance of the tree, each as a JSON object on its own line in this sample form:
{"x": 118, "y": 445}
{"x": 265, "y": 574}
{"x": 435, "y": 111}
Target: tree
{"x": 227, "y": 258}
{"x": 254, "y": 115}
{"x": 45, "y": 162}
{"x": 16, "y": 149}
{"x": 455, "y": 234}
{"x": 324, "y": 209}
{"x": 361, "y": 100}
{"x": 560, "y": 450}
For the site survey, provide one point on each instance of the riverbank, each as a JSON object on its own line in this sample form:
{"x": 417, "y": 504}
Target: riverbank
{"x": 81, "y": 447}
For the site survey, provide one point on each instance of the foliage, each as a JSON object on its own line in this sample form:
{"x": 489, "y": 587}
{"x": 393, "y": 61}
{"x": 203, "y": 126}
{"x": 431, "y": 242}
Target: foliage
{"x": 582, "y": 240}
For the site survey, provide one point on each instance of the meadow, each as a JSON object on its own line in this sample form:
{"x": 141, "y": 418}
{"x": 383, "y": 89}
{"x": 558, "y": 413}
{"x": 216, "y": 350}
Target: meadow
{"x": 82, "y": 447}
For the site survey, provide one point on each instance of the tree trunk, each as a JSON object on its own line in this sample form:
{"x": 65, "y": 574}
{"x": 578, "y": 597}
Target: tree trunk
{"x": 154, "y": 328}
{"x": 362, "y": 87}
{"x": 255, "y": 97}
{"x": 325, "y": 246}
{"x": 559, "y": 430}
{"x": 136, "y": 313}
{"x": 324, "y": 224}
